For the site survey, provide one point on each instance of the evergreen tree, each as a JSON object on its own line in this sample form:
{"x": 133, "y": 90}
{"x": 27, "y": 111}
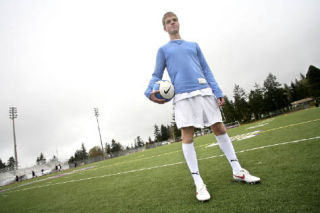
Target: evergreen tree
{"x": 150, "y": 140}
{"x": 81, "y": 154}
{"x": 241, "y": 106}
{"x": 2, "y": 165}
{"x": 41, "y": 159}
{"x": 293, "y": 96}
{"x": 274, "y": 95}
{"x": 11, "y": 163}
{"x": 157, "y": 133}
{"x": 139, "y": 142}
{"x": 107, "y": 148}
{"x": 165, "y": 134}
{"x": 228, "y": 110}
{"x": 313, "y": 77}
{"x": 302, "y": 88}
{"x": 177, "y": 132}
{"x": 256, "y": 103}
{"x": 116, "y": 146}
{"x": 71, "y": 160}
{"x": 78, "y": 155}
{"x": 84, "y": 152}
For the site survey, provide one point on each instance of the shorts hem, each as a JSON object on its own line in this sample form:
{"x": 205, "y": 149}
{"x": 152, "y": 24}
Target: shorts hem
{"x": 201, "y": 126}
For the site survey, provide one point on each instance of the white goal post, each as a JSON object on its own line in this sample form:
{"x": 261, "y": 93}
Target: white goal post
{"x": 232, "y": 124}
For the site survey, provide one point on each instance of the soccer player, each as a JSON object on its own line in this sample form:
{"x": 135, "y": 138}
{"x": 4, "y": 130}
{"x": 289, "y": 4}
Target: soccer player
{"x": 197, "y": 100}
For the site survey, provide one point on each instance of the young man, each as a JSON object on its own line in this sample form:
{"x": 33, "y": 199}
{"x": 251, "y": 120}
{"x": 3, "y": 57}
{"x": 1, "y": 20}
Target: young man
{"x": 195, "y": 100}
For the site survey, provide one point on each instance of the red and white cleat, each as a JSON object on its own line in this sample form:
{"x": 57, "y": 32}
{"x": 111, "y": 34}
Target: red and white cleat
{"x": 244, "y": 176}
{"x": 202, "y": 193}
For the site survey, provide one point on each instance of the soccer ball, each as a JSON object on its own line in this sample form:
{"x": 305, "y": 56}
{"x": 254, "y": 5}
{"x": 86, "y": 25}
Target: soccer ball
{"x": 166, "y": 89}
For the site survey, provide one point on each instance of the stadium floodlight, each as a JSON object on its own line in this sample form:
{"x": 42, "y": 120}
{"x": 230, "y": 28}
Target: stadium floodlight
{"x": 13, "y": 115}
{"x": 96, "y": 113}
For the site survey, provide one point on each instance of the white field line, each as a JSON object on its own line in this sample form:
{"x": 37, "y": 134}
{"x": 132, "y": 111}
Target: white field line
{"x": 267, "y": 146}
{"x": 145, "y": 158}
{"x": 200, "y": 146}
{"x": 168, "y": 153}
{"x": 53, "y": 177}
{"x": 156, "y": 167}
{"x": 269, "y": 130}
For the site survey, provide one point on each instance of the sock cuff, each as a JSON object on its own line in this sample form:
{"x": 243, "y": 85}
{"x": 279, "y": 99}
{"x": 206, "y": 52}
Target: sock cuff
{"x": 187, "y": 145}
{"x": 222, "y": 136}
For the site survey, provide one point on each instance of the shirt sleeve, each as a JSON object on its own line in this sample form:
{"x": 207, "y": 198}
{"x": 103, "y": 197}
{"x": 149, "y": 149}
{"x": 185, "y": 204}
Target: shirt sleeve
{"x": 158, "y": 72}
{"x": 208, "y": 74}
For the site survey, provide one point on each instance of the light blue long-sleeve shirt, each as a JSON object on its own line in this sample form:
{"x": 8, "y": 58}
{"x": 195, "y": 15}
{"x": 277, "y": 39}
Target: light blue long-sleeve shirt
{"x": 186, "y": 65}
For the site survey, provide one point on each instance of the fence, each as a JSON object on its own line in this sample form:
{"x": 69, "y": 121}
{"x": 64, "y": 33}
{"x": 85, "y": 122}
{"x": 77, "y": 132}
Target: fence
{"x": 115, "y": 154}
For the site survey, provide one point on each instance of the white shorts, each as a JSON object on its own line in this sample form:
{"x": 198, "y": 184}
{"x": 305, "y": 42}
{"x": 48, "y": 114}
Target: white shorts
{"x": 198, "y": 111}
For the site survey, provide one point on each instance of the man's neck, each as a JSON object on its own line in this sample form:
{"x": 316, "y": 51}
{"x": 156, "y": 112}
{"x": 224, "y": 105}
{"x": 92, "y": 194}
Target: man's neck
{"x": 175, "y": 36}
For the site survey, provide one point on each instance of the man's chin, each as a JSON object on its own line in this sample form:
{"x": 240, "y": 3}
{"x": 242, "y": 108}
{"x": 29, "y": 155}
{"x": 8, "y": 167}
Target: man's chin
{"x": 174, "y": 32}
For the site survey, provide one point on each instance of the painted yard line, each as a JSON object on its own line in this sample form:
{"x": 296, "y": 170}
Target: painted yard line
{"x": 200, "y": 146}
{"x": 156, "y": 167}
{"x": 264, "y": 131}
{"x": 290, "y": 125}
{"x": 53, "y": 177}
{"x": 267, "y": 146}
{"x": 146, "y": 158}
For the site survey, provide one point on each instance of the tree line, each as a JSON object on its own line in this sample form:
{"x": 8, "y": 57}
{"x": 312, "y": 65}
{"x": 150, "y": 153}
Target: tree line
{"x": 271, "y": 98}
{"x": 110, "y": 150}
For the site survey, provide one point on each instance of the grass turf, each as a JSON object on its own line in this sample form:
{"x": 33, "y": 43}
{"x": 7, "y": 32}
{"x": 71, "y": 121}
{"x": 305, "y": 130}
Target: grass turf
{"x": 158, "y": 180}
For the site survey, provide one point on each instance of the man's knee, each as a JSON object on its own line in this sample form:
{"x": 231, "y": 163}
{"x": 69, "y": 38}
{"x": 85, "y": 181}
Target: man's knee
{"x": 218, "y": 129}
{"x": 187, "y": 140}
{"x": 187, "y": 134}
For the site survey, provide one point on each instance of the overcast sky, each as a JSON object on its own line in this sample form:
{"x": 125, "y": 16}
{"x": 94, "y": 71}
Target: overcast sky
{"x": 60, "y": 59}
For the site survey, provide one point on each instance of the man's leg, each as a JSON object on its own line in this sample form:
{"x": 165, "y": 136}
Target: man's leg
{"x": 226, "y": 146}
{"x": 239, "y": 174}
{"x": 192, "y": 161}
{"x": 190, "y": 153}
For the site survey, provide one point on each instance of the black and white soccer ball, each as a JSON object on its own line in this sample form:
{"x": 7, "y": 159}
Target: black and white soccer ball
{"x": 166, "y": 89}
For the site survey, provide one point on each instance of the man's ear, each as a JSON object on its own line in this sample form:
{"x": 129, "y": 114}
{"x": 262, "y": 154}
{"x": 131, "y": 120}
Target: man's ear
{"x": 164, "y": 28}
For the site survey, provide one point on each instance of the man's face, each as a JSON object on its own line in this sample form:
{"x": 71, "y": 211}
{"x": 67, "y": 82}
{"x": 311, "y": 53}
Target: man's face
{"x": 171, "y": 25}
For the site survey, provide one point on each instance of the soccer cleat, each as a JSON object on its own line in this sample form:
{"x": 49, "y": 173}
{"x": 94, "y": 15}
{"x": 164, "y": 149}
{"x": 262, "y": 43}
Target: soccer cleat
{"x": 202, "y": 193}
{"x": 244, "y": 176}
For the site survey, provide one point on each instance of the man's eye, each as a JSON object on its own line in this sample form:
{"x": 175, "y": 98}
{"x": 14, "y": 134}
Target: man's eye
{"x": 169, "y": 21}
{"x": 174, "y": 19}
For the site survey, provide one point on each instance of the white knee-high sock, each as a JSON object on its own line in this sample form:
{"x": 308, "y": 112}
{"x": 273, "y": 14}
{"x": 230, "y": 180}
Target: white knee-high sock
{"x": 192, "y": 161}
{"x": 226, "y": 146}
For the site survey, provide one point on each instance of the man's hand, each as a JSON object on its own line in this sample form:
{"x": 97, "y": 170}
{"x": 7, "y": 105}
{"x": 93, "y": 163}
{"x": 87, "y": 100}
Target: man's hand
{"x": 221, "y": 101}
{"x": 155, "y": 99}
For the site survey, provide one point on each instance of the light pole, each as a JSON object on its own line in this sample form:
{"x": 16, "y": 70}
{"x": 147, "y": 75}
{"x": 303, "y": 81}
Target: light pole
{"x": 12, "y": 115}
{"x": 173, "y": 123}
{"x": 96, "y": 113}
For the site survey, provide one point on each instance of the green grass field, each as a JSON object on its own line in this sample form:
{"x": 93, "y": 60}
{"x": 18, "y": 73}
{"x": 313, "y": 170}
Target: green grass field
{"x": 285, "y": 154}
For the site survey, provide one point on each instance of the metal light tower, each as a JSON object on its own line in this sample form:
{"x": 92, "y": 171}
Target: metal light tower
{"x": 12, "y": 115}
{"x": 96, "y": 113}
{"x": 173, "y": 123}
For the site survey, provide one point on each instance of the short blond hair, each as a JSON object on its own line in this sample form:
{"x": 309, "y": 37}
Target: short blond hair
{"x": 166, "y": 15}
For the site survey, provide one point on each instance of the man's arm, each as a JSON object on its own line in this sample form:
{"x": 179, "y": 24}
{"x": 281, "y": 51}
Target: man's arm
{"x": 156, "y": 76}
{"x": 208, "y": 74}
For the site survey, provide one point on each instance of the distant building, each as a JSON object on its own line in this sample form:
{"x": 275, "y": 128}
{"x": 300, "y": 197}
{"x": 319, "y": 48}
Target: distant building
{"x": 303, "y": 103}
